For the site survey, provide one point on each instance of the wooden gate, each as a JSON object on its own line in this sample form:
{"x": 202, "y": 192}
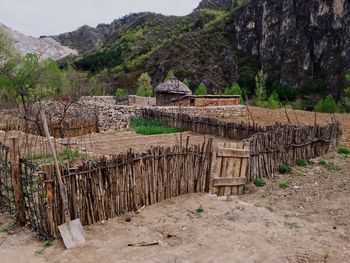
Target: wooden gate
{"x": 231, "y": 166}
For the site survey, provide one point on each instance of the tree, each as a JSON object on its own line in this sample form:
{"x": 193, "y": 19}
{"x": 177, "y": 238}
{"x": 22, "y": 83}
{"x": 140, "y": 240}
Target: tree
{"x": 273, "y": 101}
{"x": 235, "y": 89}
{"x": 121, "y": 94}
{"x": 202, "y": 90}
{"x": 144, "y": 86}
{"x": 186, "y": 82}
{"x": 346, "y": 99}
{"x": 327, "y": 105}
{"x": 170, "y": 75}
{"x": 260, "y": 87}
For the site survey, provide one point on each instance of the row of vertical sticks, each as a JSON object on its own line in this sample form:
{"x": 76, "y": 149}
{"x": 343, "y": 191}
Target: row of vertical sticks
{"x": 288, "y": 144}
{"x": 70, "y": 127}
{"x": 127, "y": 182}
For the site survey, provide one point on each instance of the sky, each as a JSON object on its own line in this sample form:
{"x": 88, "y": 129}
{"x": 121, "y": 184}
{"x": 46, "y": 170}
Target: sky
{"x": 52, "y": 17}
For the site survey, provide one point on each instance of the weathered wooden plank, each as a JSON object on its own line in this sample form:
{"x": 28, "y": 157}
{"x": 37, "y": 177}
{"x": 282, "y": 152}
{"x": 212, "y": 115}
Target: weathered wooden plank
{"x": 234, "y": 153}
{"x": 227, "y": 181}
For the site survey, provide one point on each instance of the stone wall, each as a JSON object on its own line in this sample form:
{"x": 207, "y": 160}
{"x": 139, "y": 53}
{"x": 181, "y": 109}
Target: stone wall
{"x": 141, "y": 101}
{"x": 219, "y": 112}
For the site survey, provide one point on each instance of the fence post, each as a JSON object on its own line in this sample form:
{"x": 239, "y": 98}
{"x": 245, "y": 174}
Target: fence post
{"x": 17, "y": 182}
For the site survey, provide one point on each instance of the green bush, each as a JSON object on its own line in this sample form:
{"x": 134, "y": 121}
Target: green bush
{"x": 285, "y": 168}
{"x": 284, "y": 185}
{"x": 344, "y": 150}
{"x": 327, "y": 105}
{"x": 144, "y": 86}
{"x": 273, "y": 101}
{"x": 259, "y": 182}
{"x": 284, "y": 91}
{"x": 298, "y": 105}
{"x": 202, "y": 90}
{"x": 235, "y": 89}
{"x": 302, "y": 162}
{"x": 121, "y": 94}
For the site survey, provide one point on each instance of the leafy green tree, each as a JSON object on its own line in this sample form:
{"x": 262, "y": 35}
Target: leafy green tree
{"x": 235, "y": 89}
{"x": 260, "y": 87}
{"x": 121, "y": 94}
{"x": 346, "y": 99}
{"x": 202, "y": 90}
{"x": 186, "y": 82}
{"x": 327, "y": 105}
{"x": 144, "y": 86}
{"x": 170, "y": 75}
{"x": 273, "y": 101}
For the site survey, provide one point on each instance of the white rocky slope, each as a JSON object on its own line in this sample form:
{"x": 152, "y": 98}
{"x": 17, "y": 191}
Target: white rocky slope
{"x": 47, "y": 46}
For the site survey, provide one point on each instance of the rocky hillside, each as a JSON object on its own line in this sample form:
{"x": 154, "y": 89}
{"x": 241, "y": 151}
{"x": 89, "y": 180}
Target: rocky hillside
{"x": 302, "y": 43}
{"x": 47, "y": 47}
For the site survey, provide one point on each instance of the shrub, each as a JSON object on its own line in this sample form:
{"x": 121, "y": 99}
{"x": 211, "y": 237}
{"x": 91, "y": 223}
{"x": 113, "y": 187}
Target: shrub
{"x": 344, "y": 150}
{"x": 235, "y": 89}
{"x": 202, "y": 90}
{"x": 298, "y": 105}
{"x": 327, "y": 105}
{"x": 284, "y": 185}
{"x": 186, "y": 82}
{"x": 302, "y": 162}
{"x": 259, "y": 182}
{"x": 121, "y": 94}
{"x": 151, "y": 127}
{"x": 273, "y": 101}
{"x": 285, "y": 168}
{"x": 170, "y": 75}
{"x": 144, "y": 86}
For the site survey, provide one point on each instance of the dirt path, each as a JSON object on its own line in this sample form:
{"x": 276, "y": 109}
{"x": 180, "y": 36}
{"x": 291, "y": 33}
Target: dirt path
{"x": 308, "y": 222}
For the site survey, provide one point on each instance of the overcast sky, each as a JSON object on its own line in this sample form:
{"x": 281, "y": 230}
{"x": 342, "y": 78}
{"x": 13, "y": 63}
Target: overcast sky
{"x": 51, "y": 17}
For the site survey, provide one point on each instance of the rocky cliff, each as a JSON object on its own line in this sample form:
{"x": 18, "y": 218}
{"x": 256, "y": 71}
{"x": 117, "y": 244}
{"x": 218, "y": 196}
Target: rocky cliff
{"x": 47, "y": 47}
{"x": 296, "y": 41}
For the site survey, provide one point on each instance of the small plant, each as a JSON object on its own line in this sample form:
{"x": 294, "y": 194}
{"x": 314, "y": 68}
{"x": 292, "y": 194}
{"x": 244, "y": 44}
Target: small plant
{"x": 202, "y": 90}
{"x": 269, "y": 193}
{"x": 322, "y": 162}
{"x": 121, "y": 94}
{"x": 11, "y": 228}
{"x": 302, "y": 162}
{"x": 292, "y": 225}
{"x": 150, "y": 127}
{"x": 200, "y": 210}
{"x": 344, "y": 150}
{"x": 259, "y": 182}
{"x": 284, "y": 185}
{"x": 326, "y": 255}
{"x": 285, "y": 168}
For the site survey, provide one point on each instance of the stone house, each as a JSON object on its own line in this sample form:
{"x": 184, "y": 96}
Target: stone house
{"x": 169, "y": 91}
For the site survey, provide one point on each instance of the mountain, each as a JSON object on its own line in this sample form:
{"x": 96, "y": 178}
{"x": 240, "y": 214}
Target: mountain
{"x": 47, "y": 46}
{"x": 301, "y": 43}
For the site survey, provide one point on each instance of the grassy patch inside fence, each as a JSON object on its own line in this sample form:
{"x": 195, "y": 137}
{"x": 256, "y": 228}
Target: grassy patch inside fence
{"x": 151, "y": 127}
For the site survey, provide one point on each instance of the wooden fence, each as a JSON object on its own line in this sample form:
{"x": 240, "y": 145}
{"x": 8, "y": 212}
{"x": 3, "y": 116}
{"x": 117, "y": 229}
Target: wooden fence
{"x": 110, "y": 187}
{"x": 230, "y": 130}
{"x": 71, "y": 127}
{"x": 270, "y": 145}
{"x": 6, "y": 195}
{"x": 288, "y": 144}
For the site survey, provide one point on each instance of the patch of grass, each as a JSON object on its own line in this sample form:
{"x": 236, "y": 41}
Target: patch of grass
{"x": 292, "y": 225}
{"x": 329, "y": 166}
{"x": 259, "y": 182}
{"x": 285, "y": 168}
{"x": 156, "y": 130}
{"x": 41, "y": 251}
{"x": 151, "y": 127}
{"x": 344, "y": 150}
{"x": 10, "y": 228}
{"x": 284, "y": 185}
{"x": 302, "y": 162}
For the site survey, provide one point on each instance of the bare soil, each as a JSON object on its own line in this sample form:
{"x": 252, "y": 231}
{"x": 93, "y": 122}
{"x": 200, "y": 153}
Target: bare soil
{"x": 307, "y": 222}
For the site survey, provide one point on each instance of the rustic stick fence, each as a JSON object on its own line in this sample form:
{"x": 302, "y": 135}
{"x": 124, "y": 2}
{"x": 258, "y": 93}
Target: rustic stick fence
{"x": 110, "y": 187}
{"x": 70, "y": 127}
{"x": 270, "y": 145}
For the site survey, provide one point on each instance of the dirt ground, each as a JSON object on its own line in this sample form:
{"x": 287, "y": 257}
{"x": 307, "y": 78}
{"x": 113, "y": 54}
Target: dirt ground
{"x": 308, "y": 222}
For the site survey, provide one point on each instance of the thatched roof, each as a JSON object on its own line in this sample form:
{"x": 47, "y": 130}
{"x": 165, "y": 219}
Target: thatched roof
{"x": 173, "y": 86}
